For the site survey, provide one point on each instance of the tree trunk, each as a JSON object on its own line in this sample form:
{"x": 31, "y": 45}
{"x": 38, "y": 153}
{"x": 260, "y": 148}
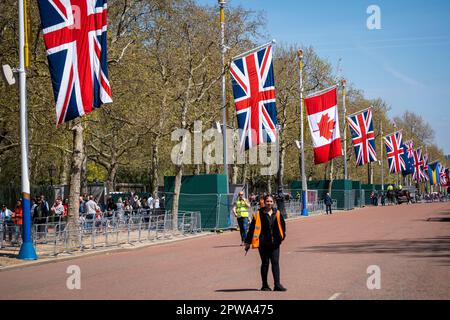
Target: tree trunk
{"x": 74, "y": 191}
{"x": 269, "y": 184}
{"x": 111, "y": 182}
{"x": 207, "y": 168}
{"x": 154, "y": 178}
{"x": 244, "y": 174}
{"x": 178, "y": 178}
{"x": 176, "y": 196}
{"x": 83, "y": 176}
{"x": 234, "y": 177}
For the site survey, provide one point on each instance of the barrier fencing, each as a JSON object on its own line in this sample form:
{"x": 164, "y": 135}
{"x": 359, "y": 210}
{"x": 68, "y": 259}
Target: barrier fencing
{"x": 53, "y": 236}
{"x": 56, "y": 236}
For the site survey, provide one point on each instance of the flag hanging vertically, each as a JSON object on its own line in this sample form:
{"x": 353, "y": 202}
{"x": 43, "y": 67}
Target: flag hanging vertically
{"x": 75, "y": 39}
{"x": 363, "y": 136}
{"x": 443, "y": 176}
{"x": 395, "y": 150}
{"x": 433, "y": 171}
{"x": 418, "y": 174}
{"x": 425, "y": 167}
{"x": 409, "y": 162}
{"x": 321, "y": 108}
{"x": 254, "y": 97}
{"x": 410, "y": 148}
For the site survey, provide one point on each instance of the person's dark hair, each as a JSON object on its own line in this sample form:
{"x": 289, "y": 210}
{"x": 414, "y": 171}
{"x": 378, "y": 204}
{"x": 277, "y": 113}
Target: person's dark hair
{"x": 267, "y": 197}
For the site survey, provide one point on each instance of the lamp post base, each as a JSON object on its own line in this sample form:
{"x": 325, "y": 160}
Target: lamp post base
{"x": 27, "y": 252}
{"x": 304, "y": 211}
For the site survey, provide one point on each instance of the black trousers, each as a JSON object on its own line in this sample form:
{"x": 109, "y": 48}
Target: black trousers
{"x": 270, "y": 254}
{"x": 328, "y": 208}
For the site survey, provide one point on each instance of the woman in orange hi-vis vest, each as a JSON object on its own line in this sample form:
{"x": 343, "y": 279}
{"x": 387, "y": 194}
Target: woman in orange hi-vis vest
{"x": 266, "y": 233}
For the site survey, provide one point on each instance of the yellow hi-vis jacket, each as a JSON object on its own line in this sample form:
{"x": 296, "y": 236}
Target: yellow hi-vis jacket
{"x": 257, "y": 232}
{"x": 241, "y": 209}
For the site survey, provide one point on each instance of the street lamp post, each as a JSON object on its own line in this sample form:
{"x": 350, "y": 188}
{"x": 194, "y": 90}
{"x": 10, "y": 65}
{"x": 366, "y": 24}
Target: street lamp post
{"x": 27, "y": 251}
{"x": 304, "y": 210}
{"x": 224, "y": 103}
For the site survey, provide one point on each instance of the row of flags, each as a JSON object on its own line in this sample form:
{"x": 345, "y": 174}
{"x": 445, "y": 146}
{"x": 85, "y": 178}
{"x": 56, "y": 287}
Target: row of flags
{"x": 75, "y": 39}
{"x": 255, "y": 101}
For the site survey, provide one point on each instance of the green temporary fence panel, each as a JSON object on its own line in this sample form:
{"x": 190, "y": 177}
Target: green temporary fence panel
{"x": 341, "y": 191}
{"x": 203, "y": 193}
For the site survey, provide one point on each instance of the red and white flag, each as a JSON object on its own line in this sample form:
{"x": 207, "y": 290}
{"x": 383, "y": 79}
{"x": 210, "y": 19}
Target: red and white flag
{"x": 322, "y": 111}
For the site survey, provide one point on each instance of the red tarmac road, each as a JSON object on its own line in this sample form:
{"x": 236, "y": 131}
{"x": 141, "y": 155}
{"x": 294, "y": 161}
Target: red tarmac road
{"x": 323, "y": 257}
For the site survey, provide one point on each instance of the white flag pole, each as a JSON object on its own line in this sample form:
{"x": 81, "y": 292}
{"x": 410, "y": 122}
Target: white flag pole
{"x": 224, "y": 103}
{"x": 27, "y": 251}
{"x": 344, "y": 93}
{"x": 304, "y": 210}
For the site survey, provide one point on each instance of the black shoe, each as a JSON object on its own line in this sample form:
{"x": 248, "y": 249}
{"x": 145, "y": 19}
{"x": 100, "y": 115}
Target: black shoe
{"x": 279, "y": 288}
{"x": 266, "y": 288}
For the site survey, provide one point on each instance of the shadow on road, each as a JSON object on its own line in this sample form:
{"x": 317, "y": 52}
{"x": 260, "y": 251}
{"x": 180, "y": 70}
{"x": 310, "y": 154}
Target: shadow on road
{"x": 437, "y": 248}
{"x": 229, "y": 246}
{"x": 438, "y": 219}
{"x": 236, "y": 290}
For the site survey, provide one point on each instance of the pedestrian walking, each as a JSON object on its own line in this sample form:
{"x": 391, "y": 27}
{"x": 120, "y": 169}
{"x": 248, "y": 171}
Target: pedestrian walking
{"x": 266, "y": 233}
{"x": 328, "y": 202}
{"x": 240, "y": 209}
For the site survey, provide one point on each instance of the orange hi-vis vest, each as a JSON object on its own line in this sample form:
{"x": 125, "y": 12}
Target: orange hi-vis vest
{"x": 257, "y": 231}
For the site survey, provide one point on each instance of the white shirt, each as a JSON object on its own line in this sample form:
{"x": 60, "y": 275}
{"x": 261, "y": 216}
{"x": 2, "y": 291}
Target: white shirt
{"x": 91, "y": 207}
{"x": 5, "y": 214}
{"x": 151, "y": 202}
{"x": 58, "y": 209}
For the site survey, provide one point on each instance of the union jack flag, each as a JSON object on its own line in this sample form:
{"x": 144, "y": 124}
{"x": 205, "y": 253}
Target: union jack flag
{"x": 254, "y": 97}
{"x": 75, "y": 39}
{"x": 425, "y": 167}
{"x": 395, "y": 150}
{"x": 442, "y": 176}
{"x": 418, "y": 174}
{"x": 363, "y": 136}
{"x": 410, "y": 148}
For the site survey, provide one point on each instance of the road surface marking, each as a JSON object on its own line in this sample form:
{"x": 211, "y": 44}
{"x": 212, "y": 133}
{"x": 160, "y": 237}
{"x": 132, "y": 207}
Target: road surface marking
{"x": 335, "y": 296}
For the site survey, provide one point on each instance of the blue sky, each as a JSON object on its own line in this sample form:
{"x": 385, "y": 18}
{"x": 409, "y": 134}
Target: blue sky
{"x": 406, "y": 63}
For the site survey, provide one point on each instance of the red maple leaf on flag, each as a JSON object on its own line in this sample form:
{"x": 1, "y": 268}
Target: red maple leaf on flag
{"x": 326, "y": 126}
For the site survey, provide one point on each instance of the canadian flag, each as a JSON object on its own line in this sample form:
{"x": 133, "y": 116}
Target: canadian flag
{"x": 322, "y": 111}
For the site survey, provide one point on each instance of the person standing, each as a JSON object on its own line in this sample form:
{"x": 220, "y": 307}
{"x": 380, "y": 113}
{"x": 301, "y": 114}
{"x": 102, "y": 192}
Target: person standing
{"x": 17, "y": 218}
{"x": 40, "y": 217}
{"x": 91, "y": 211}
{"x": 57, "y": 211}
{"x": 5, "y": 219}
{"x": 261, "y": 200}
{"x": 266, "y": 233}
{"x": 328, "y": 202}
{"x": 280, "y": 198}
{"x": 240, "y": 210}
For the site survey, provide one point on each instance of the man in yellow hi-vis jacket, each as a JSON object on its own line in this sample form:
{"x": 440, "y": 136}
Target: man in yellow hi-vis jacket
{"x": 240, "y": 209}
{"x": 266, "y": 233}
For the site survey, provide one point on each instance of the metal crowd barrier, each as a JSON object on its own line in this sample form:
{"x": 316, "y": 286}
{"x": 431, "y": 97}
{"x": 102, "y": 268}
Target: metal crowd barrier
{"x": 55, "y": 236}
